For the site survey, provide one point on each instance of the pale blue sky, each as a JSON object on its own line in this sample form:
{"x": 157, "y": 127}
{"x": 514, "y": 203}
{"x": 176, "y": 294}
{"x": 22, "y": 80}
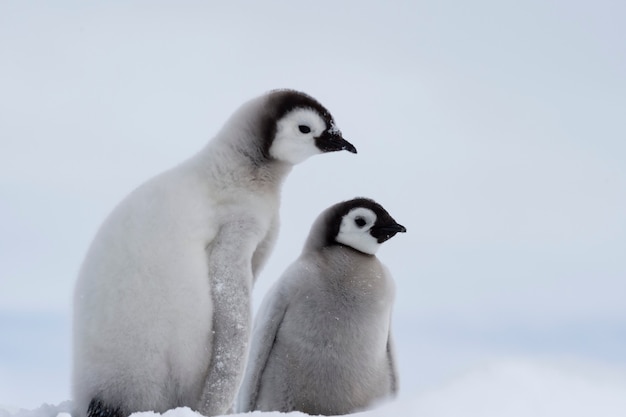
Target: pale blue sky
{"x": 494, "y": 131}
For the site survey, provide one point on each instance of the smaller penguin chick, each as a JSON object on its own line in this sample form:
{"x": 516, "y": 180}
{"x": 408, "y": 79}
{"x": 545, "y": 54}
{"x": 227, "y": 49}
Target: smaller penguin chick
{"x": 321, "y": 342}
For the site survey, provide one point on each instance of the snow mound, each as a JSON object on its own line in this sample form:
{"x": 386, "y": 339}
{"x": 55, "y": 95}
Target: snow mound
{"x": 506, "y": 388}
{"x": 187, "y": 412}
{"x": 523, "y": 388}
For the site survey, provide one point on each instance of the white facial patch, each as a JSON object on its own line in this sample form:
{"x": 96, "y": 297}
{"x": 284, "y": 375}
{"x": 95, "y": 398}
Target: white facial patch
{"x": 295, "y": 136}
{"x": 354, "y": 230}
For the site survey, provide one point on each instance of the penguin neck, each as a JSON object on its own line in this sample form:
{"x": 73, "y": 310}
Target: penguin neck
{"x": 348, "y": 262}
{"x": 339, "y": 255}
{"x": 232, "y": 163}
{"x": 347, "y": 252}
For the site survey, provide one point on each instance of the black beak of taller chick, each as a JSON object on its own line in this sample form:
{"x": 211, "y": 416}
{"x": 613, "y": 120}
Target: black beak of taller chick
{"x": 385, "y": 232}
{"x": 332, "y": 141}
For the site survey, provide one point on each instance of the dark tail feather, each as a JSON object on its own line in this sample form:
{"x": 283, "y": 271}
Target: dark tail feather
{"x": 99, "y": 409}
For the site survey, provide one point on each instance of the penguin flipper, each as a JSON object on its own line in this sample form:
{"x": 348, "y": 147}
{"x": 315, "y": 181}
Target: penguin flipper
{"x": 265, "y": 248}
{"x": 393, "y": 370}
{"x": 269, "y": 319}
{"x": 229, "y": 259}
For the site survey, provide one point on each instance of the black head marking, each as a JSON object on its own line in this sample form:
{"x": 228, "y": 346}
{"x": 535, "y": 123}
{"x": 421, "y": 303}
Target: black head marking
{"x": 384, "y": 228}
{"x": 281, "y": 102}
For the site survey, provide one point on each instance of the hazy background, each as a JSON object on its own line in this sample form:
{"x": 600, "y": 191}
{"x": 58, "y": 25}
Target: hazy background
{"x": 494, "y": 131}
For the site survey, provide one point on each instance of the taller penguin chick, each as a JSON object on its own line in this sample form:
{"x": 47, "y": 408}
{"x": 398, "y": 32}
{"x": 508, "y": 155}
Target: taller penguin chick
{"x": 162, "y": 301}
{"x": 321, "y": 342}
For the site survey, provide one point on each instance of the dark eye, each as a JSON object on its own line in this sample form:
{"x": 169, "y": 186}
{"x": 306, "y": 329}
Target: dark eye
{"x": 360, "y": 221}
{"x": 304, "y": 128}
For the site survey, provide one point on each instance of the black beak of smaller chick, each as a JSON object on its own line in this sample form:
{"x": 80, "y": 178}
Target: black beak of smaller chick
{"x": 332, "y": 142}
{"x": 386, "y": 232}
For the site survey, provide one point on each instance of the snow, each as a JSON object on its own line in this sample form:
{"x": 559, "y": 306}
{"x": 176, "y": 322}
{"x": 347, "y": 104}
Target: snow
{"x": 509, "y": 387}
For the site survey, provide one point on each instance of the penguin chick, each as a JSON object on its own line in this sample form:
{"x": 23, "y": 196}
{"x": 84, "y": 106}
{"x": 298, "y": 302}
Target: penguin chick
{"x": 321, "y": 342}
{"x": 162, "y": 301}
